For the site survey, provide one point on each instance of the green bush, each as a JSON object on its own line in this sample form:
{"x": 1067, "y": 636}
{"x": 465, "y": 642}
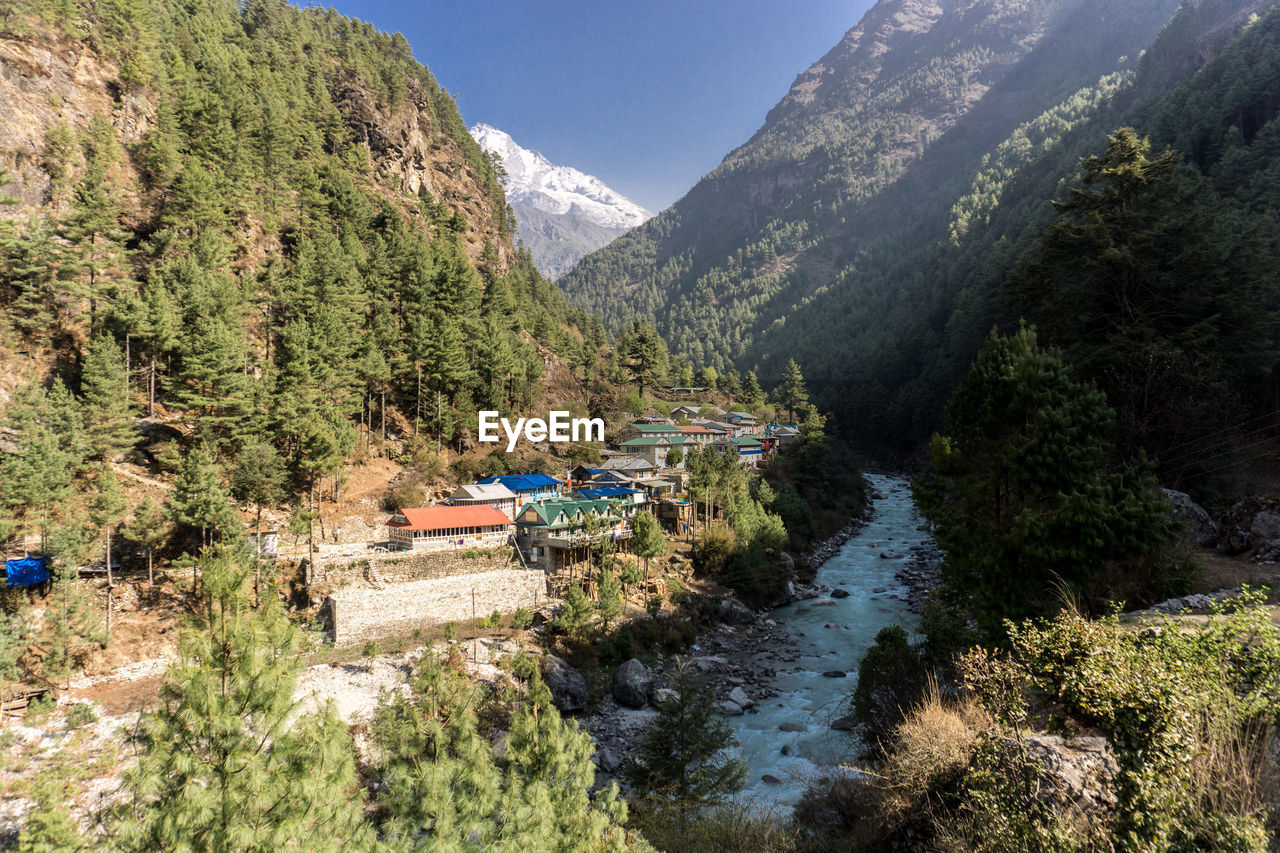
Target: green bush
{"x": 81, "y": 714}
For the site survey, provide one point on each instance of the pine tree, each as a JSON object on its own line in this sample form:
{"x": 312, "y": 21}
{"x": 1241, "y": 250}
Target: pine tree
{"x": 105, "y": 510}
{"x": 576, "y": 612}
{"x": 444, "y": 787}
{"x": 35, "y": 480}
{"x": 792, "y": 394}
{"x": 107, "y": 408}
{"x": 226, "y": 762}
{"x": 13, "y": 645}
{"x": 681, "y": 762}
{"x": 149, "y": 529}
{"x": 72, "y": 622}
{"x": 648, "y": 541}
{"x": 643, "y": 354}
{"x": 49, "y": 826}
{"x": 92, "y": 226}
{"x": 1024, "y": 493}
{"x": 609, "y": 595}
{"x": 752, "y": 393}
{"x": 198, "y": 499}
{"x": 259, "y": 477}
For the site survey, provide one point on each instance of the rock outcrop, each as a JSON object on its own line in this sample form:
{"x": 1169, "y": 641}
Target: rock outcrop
{"x": 568, "y": 687}
{"x": 1199, "y": 528}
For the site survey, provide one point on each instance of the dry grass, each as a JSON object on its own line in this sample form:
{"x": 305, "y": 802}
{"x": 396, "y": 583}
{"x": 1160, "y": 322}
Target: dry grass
{"x": 1235, "y": 772}
{"x": 934, "y": 743}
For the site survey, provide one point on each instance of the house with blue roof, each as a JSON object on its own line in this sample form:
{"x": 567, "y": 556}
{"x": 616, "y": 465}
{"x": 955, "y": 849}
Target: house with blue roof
{"x": 528, "y": 488}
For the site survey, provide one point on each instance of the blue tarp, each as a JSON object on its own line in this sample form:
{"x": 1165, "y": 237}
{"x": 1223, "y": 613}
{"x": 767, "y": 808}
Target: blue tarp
{"x": 26, "y": 572}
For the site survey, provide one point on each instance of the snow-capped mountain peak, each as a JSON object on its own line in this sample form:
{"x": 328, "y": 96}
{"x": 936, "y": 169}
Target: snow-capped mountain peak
{"x": 535, "y": 182}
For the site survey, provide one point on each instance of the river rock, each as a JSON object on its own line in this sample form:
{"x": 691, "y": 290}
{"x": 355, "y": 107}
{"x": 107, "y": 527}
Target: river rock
{"x": 786, "y": 749}
{"x": 709, "y": 663}
{"x": 790, "y": 727}
{"x": 568, "y": 687}
{"x": 632, "y": 683}
{"x": 834, "y": 673}
{"x": 770, "y": 779}
{"x": 729, "y": 709}
{"x": 839, "y": 593}
{"x": 734, "y": 612}
{"x": 608, "y": 760}
{"x": 787, "y": 560}
{"x": 739, "y": 697}
{"x": 844, "y": 724}
{"x": 826, "y": 602}
{"x": 890, "y": 555}
{"x": 664, "y": 695}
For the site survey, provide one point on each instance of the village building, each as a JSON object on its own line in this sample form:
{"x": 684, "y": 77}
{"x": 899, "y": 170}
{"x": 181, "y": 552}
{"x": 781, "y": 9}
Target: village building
{"x": 656, "y": 449}
{"x": 701, "y": 435}
{"x": 777, "y": 437}
{"x": 637, "y": 466}
{"x": 720, "y": 426}
{"x": 556, "y": 535}
{"x": 643, "y": 430}
{"x": 743, "y": 420}
{"x": 749, "y": 451}
{"x": 448, "y": 528}
{"x": 495, "y": 495}
{"x": 626, "y": 494}
{"x": 686, "y": 411}
{"x": 675, "y": 516}
{"x": 528, "y": 488}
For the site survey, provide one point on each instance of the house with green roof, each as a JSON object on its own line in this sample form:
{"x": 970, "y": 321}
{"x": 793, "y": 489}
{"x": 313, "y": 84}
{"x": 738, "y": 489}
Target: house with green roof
{"x": 657, "y": 448}
{"x": 749, "y": 451}
{"x": 557, "y": 535}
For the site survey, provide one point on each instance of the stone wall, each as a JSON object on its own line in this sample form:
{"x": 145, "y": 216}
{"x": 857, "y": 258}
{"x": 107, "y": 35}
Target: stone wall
{"x": 378, "y": 569}
{"x": 361, "y": 613}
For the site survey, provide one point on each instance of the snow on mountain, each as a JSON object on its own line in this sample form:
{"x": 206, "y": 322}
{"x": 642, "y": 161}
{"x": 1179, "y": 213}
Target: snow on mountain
{"x": 561, "y": 212}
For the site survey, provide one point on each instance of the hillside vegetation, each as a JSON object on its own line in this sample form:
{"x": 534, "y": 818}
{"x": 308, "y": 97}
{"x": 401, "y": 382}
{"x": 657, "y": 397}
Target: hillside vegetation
{"x": 872, "y": 229}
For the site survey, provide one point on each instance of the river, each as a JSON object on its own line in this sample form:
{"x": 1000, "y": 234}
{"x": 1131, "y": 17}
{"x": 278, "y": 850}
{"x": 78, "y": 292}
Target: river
{"x": 806, "y": 697}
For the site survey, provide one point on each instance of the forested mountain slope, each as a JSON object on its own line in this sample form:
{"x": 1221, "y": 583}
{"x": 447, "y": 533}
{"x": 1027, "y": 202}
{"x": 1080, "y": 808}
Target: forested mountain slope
{"x": 868, "y": 228}
{"x": 262, "y": 220}
{"x": 865, "y": 144}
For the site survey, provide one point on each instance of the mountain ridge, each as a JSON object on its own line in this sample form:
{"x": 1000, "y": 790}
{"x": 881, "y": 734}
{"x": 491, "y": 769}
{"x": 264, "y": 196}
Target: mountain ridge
{"x": 561, "y": 212}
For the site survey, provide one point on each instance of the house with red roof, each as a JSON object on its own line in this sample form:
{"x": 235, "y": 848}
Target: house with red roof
{"x": 449, "y": 528}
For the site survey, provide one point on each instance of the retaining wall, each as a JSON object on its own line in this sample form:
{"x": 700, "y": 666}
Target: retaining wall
{"x": 410, "y": 566}
{"x": 360, "y": 613}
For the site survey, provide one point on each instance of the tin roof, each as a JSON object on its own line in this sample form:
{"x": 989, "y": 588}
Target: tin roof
{"x": 521, "y": 482}
{"x": 443, "y": 516}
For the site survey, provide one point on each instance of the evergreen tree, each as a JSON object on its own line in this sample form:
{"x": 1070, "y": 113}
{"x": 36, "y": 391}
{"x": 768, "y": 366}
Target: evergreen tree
{"x": 259, "y": 477}
{"x": 575, "y": 612}
{"x": 149, "y": 529}
{"x": 648, "y": 541}
{"x": 752, "y": 393}
{"x": 1023, "y": 494}
{"x": 681, "y": 762}
{"x": 609, "y": 595}
{"x": 1159, "y": 292}
{"x": 105, "y": 510}
{"x": 39, "y": 476}
{"x": 107, "y": 409}
{"x": 643, "y": 354}
{"x": 791, "y": 393}
{"x": 49, "y": 826}
{"x": 72, "y": 625}
{"x": 226, "y": 762}
{"x": 198, "y": 499}
{"x": 444, "y": 787}
{"x": 13, "y": 645}
{"x": 92, "y": 226}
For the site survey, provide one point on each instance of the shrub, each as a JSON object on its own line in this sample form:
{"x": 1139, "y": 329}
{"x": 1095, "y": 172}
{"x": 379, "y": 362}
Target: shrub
{"x": 80, "y": 714}
{"x": 521, "y": 619}
{"x": 408, "y": 493}
{"x": 891, "y": 679}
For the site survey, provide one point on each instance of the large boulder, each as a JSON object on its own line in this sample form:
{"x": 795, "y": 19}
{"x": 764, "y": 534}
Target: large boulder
{"x": 734, "y": 612}
{"x": 739, "y": 697}
{"x": 1077, "y": 772}
{"x": 568, "y": 687}
{"x": 632, "y": 683}
{"x": 1199, "y": 528}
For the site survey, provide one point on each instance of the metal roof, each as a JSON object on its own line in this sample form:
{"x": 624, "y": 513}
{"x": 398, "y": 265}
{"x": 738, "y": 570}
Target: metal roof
{"x": 521, "y": 482}
{"x": 482, "y": 492}
{"x": 443, "y": 516}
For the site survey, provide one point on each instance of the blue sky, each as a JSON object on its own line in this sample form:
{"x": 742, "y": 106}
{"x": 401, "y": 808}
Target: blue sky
{"x": 649, "y": 96}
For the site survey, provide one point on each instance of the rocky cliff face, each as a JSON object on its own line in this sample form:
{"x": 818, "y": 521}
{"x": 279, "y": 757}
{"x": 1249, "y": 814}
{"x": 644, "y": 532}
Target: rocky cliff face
{"x": 49, "y": 84}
